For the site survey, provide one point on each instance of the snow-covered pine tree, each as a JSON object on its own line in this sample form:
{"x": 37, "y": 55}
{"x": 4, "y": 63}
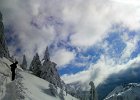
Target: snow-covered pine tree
{"x": 61, "y": 94}
{"x": 53, "y": 90}
{"x": 36, "y": 65}
{"x": 24, "y": 63}
{"x": 66, "y": 91}
{"x": 47, "y": 55}
{"x": 49, "y": 71}
{"x": 93, "y": 93}
{"x": 3, "y": 46}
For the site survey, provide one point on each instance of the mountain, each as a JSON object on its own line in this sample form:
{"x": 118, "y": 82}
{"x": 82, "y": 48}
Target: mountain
{"x": 124, "y": 77}
{"x": 75, "y": 89}
{"x": 3, "y": 46}
{"x": 27, "y": 86}
{"x": 130, "y": 91}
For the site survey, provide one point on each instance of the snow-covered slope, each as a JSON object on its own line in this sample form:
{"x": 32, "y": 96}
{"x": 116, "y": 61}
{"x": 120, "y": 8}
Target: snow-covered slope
{"x": 26, "y": 86}
{"x": 126, "y": 92}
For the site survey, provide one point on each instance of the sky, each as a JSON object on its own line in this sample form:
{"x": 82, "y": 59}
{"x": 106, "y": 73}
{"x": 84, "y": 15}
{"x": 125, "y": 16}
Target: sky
{"x": 88, "y": 39}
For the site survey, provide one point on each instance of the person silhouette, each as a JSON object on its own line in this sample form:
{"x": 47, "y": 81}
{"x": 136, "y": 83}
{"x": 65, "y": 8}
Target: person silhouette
{"x": 13, "y": 67}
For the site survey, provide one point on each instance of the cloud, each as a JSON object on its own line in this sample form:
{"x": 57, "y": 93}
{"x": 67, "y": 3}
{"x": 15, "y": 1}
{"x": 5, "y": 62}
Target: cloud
{"x": 35, "y": 24}
{"x": 82, "y": 76}
{"x": 131, "y": 45}
{"x": 93, "y": 19}
{"x": 19, "y": 15}
{"x": 100, "y": 71}
{"x": 128, "y": 2}
{"x": 40, "y": 23}
{"x": 107, "y": 65}
{"x": 63, "y": 57}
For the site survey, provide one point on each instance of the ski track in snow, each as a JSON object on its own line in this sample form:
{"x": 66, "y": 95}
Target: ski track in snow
{"x": 9, "y": 90}
{"x": 2, "y": 87}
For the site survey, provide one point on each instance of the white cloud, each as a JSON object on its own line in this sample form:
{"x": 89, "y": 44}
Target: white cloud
{"x": 93, "y": 19}
{"x": 82, "y": 76}
{"x": 19, "y": 15}
{"x": 131, "y": 45}
{"x": 101, "y": 70}
{"x": 128, "y": 2}
{"x": 62, "y": 57}
{"x": 106, "y": 66}
{"x": 89, "y": 20}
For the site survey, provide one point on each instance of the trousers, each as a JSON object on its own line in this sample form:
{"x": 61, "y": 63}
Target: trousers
{"x": 13, "y": 75}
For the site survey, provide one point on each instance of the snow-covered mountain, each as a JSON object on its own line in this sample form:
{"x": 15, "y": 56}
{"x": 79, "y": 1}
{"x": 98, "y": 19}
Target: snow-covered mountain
{"x": 130, "y": 91}
{"x": 27, "y": 86}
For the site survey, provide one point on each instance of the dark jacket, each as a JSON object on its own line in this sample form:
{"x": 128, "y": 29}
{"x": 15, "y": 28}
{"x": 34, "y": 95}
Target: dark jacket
{"x": 13, "y": 66}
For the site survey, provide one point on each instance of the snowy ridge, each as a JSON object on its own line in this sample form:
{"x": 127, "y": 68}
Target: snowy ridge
{"x": 130, "y": 91}
{"x": 27, "y": 86}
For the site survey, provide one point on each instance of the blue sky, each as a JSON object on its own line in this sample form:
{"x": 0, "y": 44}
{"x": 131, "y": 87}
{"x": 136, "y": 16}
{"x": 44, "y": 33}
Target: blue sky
{"x": 89, "y": 40}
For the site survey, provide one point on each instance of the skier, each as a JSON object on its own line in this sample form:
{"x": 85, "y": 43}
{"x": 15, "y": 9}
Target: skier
{"x": 13, "y": 67}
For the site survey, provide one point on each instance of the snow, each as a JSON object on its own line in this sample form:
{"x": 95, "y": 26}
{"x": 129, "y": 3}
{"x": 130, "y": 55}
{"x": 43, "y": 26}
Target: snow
{"x": 26, "y": 86}
{"x": 4, "y": 76}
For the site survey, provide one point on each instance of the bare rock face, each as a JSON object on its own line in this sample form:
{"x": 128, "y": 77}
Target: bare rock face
{"x": 3, "y": 46}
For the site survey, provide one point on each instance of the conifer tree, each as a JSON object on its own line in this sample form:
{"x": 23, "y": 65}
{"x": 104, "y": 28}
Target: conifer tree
{"x": 24, "y": 63}
{"x": 61, "y": 94}
{"x": 35, "y": 65}
{"x": 93, "y": 94}
{"x": 46, "y": 55}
